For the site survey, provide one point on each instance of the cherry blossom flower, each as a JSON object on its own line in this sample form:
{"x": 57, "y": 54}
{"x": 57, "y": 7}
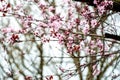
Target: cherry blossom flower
{"x": 85, "y": 30}
{"x": 14, "y": 38}
{"x": 50, "y": 77}
{"x": 99, "y": 44}
{"x": 70, "y": 40}
{"x": 55, "y": 25}
{"x": 51, "y": 9}
{"x": 94, "y": 23}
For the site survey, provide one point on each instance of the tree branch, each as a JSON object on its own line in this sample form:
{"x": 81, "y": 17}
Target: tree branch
{"x": 112, "y": 36}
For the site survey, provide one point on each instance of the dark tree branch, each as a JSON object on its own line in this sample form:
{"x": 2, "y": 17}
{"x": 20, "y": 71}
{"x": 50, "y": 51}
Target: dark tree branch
{"x": 116, "y": 4}
{"x": 112, "y": 36}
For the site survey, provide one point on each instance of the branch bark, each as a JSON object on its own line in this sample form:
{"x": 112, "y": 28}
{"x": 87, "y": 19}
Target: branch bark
{"x": 112, "y": 36}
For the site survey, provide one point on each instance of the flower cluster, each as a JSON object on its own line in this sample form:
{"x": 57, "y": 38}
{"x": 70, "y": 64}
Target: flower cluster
{"x": 14, "y": 38}
{"x": 5, "y": 7}
{"x": 102, "y": 6}
{"x": 66, "y": 27}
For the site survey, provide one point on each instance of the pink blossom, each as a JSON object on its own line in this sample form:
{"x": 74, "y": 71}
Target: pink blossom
{"x": 76, "y": 48}
{"x": 14, "y": 38}
{"x": 55, "y": 18}
{"x": 8, "y": 30}
{"x": 85, "y": 30}
{"x": 101, "y": 9}
{"x": 45, "y": 39}
{"x": 92, "y": 44}
{"x": 99, "y": 44}
{"x": 43, "y": 6}
{"x": 69, "y": 45}
{"x": 49, "y": 77}
{"x": 60, "y": 37}
{"x": 77, "y": 20}
{"x": 55, "y": 25}
{"x": 95, "y": 2}
{"x": 51, "y": 8}
{"x": 87, "y": 50}
{"x": 42, "y": 24}
{"x": 70, "y": 39}
{"x": 86, "y": 12}
{"x": 103, "y": 5}
{"x": 94, "y": 23}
